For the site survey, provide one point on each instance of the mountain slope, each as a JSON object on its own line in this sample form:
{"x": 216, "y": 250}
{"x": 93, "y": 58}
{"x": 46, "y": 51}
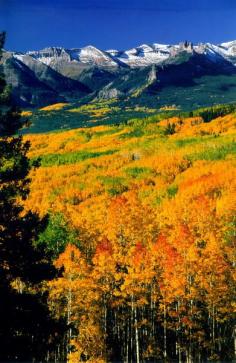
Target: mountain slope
{"x": 34, "y": 83}
{"x": 27, "y": 88}
{"x": 180, "y": 71}
{"x": 149, "y": 73}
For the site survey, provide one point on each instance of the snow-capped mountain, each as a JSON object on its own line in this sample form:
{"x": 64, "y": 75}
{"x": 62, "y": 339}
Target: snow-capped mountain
{"x": 225, "y": 50}
{"x": 143, "y": 55}
{"x": 87, "y": 55}
{"x": 55, "y": 73}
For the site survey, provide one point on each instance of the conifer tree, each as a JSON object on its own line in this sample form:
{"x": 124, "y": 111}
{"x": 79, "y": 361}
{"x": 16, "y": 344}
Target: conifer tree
{"x": 26, "y": 327}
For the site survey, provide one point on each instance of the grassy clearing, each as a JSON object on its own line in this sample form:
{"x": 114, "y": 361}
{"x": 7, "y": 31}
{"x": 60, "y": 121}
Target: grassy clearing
{"x": 215, "y": 152}
{"x": 70, "y": 158}
{"x": 139, "y": 172}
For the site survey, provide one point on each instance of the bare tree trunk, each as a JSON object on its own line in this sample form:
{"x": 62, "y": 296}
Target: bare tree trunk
{"x": 179, "y": 336}
{"x": 127, "y": 341}
{"x": 235, "y": 341}
{"x": 135, "y": 323}
{"x": 165, "y": 332}
{"x": 69, "y": 306}
{"x": 131, "y": 334}
{"x": 190, "y": 333}
{"x": 136, "y": 335}
{"x": 213, "y": 326}
{"x": 180, "y": 355}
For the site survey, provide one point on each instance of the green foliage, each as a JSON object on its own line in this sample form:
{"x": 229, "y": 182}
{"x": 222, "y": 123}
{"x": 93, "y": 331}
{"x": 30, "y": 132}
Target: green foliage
{"x": 110, "y": 131}
{"x": 118, "y": 112}
{"x": 170, "y": 129}
{"x": 10, "y": 119}
{"x": 230, "y": 234}
{"x": 136, "y": 132}
{"x": 114, "y": 185}
{"x": 213, "y": 112}
{"x": 215, "y": 152}
{"x": 136, "y": 111}
{"x": 70, "y": 158}
{"x": 139, "y": 172}
{"x": 189, "y": 141}
{"x": 57, "y": 235}
{"x": 25, "y": 322}
{"x": 172, "y": 191}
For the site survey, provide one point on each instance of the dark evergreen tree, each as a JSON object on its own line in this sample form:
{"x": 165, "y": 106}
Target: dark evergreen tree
{"x": 27, "y": 333}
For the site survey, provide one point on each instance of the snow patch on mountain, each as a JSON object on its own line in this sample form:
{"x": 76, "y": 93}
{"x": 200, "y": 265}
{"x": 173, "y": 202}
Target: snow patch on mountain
{"x": 141, "y": 56}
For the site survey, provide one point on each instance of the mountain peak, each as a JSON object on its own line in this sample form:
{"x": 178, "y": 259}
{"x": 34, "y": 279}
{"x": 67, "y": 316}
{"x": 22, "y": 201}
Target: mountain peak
{"x": 59, "y": 73}
{"x": 228, "y": 44}
{"x": 140, "y": 56}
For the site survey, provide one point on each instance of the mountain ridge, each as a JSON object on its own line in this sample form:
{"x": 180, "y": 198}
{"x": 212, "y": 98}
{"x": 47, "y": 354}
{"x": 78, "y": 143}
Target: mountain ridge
{"x": 72, "y": 74}
{"x": 146, "y": 54}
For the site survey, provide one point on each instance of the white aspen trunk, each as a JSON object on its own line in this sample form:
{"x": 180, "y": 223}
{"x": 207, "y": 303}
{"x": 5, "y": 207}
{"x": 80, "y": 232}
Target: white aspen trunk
{"x": 213, "y": 325}
{"x": 131, "y": 332}
{"x": 176, "y": 333}
{"x": 105, "y": 318}
{"x": 127, "y": 342}
{"x": 58, "y": 353}
{"x": 190, "y": 333}
{"x": 186, "y": 354}
{"x": 105, "y": 327}
{"x": 235, "y": 341}
{"x": 180, "y": 355}
{"x": 199, "y": 356}
{"x": 165, "y": 331}
{"x": 152, "y": 309}
{"x": 212, "y": 313}
{"x": 69, "y": 303}
{"x": 219, "y": 340}
{"x": 136, "y": 336}
{"x": 179, "y": 345}
{"x": 190, "y": 358}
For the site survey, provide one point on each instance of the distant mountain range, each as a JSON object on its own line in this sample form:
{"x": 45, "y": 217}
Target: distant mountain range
{"x": 146, "y": 72}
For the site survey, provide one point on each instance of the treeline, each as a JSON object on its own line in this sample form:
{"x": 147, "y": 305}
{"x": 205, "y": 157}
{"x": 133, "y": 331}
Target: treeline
{"x": 210, "y": 113}
{"x": 207, "y": 114}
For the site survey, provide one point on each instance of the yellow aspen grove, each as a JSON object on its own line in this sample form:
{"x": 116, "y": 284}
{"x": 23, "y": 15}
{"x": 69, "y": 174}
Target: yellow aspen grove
{"x": 147, "y": 234}
{"x": 72, "y": 295}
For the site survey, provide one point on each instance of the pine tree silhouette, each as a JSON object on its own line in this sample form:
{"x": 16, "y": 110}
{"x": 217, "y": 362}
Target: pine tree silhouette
{"x": 26, "y": 330}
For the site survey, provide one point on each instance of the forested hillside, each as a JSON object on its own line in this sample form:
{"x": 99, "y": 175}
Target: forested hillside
{"x": 141, "y": 229}
{"x": 117, "y": 181}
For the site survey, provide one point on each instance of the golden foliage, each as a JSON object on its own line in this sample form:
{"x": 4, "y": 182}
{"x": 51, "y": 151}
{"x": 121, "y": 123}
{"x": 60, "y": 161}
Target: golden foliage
{"x": 54, "y": 107}
{"x": 154, "y": 219}
{"x": 26, "y": 113}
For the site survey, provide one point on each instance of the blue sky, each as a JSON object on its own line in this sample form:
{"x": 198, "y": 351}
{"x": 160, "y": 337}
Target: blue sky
{"x": 34, "y": 24}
